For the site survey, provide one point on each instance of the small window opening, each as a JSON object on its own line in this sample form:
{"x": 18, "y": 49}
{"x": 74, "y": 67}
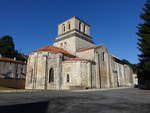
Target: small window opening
{"x": 103, "y": 56}
{"x": 61, "y": 44}
{"x": 84, "y": 28}
{"x": 63, "y": 27}
{"x": 69, "y": 26}
{"x": 80, "y": 26}
{"x": 68, "y": 79}
{"x": 51, "y": 75}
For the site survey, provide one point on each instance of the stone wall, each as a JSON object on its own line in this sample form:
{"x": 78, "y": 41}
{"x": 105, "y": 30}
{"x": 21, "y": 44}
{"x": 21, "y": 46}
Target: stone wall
{"x": 80, "y": 74}
{"x": 9, "y": 69}
{"x": 122, "y": 74}
{"x": 67, "y": 44}
{"x": 102, "y": 67}
{"x": 105, "y": 72}
{"x": 80, "y": 43}
{"x": 38, "y": 70}
{"x": 89, "y": 54}
{"x": 74, "y": 24}
{"x": 73, "y": 44}
{"x": 66, "y": 25}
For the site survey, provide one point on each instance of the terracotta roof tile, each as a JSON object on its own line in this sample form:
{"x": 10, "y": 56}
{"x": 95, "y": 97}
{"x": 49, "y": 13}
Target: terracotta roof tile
{"x": 10, "y": 60}
{"x": 92, "y": 47}
{"x": 54, "y": 49}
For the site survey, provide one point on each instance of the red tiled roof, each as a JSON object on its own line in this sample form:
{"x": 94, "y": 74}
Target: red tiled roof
{"x": 54, "y": 49}
{"x": 10, "y": 60}
{"x": 92, "y": 47}
{"x": 79, "y": 59}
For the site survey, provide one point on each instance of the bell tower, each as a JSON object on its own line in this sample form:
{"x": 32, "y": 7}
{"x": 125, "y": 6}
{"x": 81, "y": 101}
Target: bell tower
{"x": 73, "y": 34}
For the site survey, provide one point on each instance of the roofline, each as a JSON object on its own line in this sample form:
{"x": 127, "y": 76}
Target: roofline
{"x": 89, "y": 48}
{"x": 80, "y": 60}
{"x": 66, "y": 54}
{"x": 77, "y": 34}
{"x": 118, "y": 59}
{"x": 76, "y": 18}
{"x": 11, "y": 60}
{"x": 52, "y": 52}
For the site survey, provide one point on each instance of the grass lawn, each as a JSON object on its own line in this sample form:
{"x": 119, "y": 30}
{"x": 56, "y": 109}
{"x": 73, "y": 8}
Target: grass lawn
{"x": 6, "y": 88}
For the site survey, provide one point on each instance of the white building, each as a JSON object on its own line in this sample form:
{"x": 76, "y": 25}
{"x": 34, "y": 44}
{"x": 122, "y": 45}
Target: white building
{"x": 74, "y": 61}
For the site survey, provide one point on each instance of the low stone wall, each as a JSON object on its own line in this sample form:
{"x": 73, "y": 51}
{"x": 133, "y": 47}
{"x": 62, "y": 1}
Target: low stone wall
{"x": 13, "y": 83}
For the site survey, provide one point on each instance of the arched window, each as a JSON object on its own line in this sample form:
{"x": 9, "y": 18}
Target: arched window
{"x": 61, "y": 44}
{"x": 68, "y": 79}
{"x": 63, "y": 27}
{"x": 80, "y": 26}
{"x": 51, "y": 75}
{"x": 84, "y": 28}
{"x": 69, "y": 25}
{"x": 103, "y": 56}
{"x": 65, "y": 43}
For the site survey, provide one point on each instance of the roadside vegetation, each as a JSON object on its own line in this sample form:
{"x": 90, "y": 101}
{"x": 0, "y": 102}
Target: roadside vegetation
{"x": 6, "y": 88}
{"x": 7, "y": 49}
{"x": 143, "y": 68}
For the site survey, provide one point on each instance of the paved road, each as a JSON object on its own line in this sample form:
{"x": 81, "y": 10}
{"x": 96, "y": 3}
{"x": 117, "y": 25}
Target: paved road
{"x": 96, "y": 101}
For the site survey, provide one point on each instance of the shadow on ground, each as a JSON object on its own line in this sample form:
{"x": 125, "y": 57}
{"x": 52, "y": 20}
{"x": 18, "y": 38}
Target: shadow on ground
{"x": 87, "y": 105}
{"x": 112, "y": 101}
{"x": 76, "y": 105}
{"x": 39, "y": 107}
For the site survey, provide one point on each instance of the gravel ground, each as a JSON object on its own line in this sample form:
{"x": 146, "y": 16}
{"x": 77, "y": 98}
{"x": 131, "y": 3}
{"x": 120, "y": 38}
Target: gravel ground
{"x": 126, "y": 100}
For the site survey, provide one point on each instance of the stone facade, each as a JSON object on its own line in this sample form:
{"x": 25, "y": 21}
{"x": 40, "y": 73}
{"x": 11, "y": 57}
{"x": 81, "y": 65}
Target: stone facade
{"x": 74, "y": 61}
{"x": 11, "y": 68}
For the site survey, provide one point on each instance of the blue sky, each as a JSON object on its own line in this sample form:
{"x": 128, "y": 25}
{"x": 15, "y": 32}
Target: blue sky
{"x": 33, "y": 23}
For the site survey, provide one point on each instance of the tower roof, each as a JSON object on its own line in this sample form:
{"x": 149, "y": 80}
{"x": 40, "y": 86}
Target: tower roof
{"x": 77, "y": 19}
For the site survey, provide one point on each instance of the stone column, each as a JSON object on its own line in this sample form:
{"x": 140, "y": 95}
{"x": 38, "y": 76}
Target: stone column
{"x": 82, "y": 27}
{"x": 35, "y": 71}
{"x": 97, "y": 71}
{"x": 111, "y": 80}
{"x": 59, "y": 72}
{"x": 89, "y": 74}
{"x": 46, "y": 71}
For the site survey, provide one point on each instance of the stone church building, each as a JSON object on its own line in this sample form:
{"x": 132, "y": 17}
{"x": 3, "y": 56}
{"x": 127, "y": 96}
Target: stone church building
{"x": 75, "y": 61}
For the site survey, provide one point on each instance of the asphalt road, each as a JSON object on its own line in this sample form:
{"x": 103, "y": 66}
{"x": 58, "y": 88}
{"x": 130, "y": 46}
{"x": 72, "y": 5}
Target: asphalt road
{"x": 96, "y": 101}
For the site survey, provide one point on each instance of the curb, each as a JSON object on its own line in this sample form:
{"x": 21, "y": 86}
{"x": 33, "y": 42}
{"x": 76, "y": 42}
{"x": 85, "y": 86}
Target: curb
{"x": 88, "y": 90}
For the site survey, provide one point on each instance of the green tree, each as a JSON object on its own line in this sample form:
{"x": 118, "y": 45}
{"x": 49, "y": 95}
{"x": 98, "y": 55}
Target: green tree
{"x": 144, "y": 43}
{"x": 21, "y": 56}
{"x": 7, "y": 47}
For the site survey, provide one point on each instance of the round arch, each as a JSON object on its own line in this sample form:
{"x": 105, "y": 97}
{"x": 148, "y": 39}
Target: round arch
{"x": 51, "y": 75}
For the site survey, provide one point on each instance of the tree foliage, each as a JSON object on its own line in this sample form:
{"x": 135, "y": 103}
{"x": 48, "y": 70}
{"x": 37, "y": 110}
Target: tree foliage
{"x": 7, "y": 48}
{"x": 144, "y": 42}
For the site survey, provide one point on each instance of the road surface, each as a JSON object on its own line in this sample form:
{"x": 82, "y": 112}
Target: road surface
{"x": 126, "y": 100}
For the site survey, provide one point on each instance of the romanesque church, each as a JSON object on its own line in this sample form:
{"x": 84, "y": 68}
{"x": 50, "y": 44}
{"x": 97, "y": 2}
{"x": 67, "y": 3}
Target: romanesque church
{"x": 75, "y": 61}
